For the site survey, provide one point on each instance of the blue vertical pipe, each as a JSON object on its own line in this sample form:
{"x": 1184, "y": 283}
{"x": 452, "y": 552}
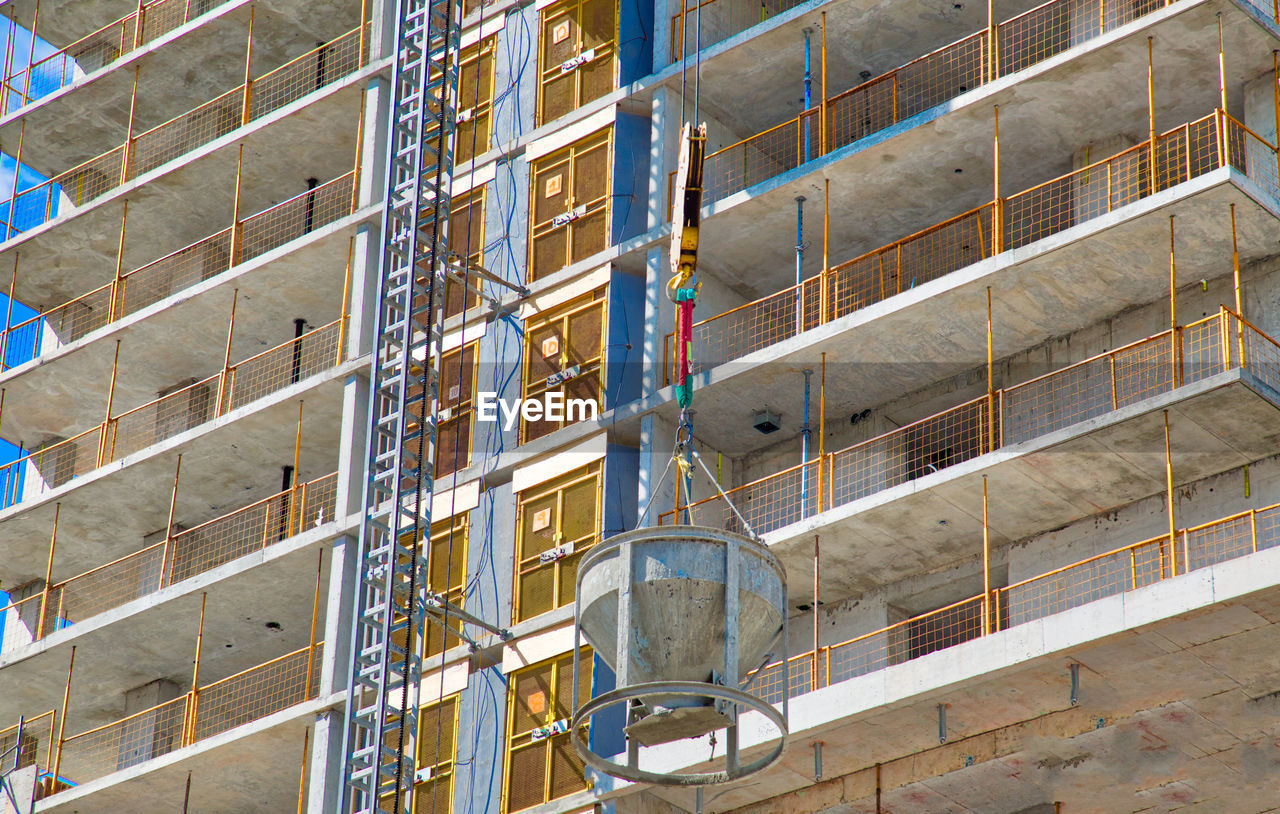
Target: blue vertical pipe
{"x": 808, "y": 95}
{"x": 805, "y": 433}
{"x": 799, "y": 263}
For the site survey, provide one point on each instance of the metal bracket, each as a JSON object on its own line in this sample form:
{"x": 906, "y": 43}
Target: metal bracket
{"x": 557, "y": 553}
{"x": 554, "y": 728}
{"x": 565, "y": 375}
{"x": 574, "y": 62}
{"x": 438, "y": 606}
{"x": 570, "y": 216}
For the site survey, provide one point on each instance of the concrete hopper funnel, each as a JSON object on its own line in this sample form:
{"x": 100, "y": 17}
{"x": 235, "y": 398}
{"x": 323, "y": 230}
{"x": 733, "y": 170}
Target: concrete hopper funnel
{"x": 683, "y": 615}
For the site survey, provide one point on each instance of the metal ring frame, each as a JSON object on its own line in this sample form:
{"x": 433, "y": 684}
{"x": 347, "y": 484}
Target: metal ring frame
{"x": 688, "y": 689}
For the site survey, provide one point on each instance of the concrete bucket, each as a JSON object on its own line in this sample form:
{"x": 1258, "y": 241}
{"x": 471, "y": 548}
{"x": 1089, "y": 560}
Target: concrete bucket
{"x": 683, "y": 615}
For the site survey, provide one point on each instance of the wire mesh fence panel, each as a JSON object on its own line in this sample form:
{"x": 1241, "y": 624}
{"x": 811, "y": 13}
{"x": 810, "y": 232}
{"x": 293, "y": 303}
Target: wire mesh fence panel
{"x": 862, "y": 110}
{"x": 220, "y": 541}
{"x": 250, "y": 529}
{"x": 72, "y": 320}
{"x": 940, "y": 76}
{"x": 21, "y": 622}
{"x": 255, "y": 693}
{"x": 1201, "y": 352}
{"x": 860, "y": 656}
{"x": 58, "y": 463}
{"x": 295, "y": 217}
{"x": 182, "y": 269}
{"x": 1058, "y": 400}
{"x": 1266, "y": 523}
{"x": 104, "y": 588}
{"x": 309, "y": 72}
{"x": 936, "y": 630}
{"x": 761, "y": 157}
{"x": 163, "y": 418}
{"x": 756, "y": 325}
{"x": 30, "y": 743}
{"x": 162, "y": 17}
{"x": 264, "y": 374}
{"x": 1077, "y": 585}
{"x": 124, "y": 743}
{"x": 917, "y": 449}
{"x": 82, "y": 184}
{"x": 767, "y": 504}
{"x": 1143, "y": 369}
{"x": 1253, "y": 155}
{"x": 1216, "y": 542}
{"x": 162, "y": 144}
{"x": 769, "y": 683}
{"x": 1261, "y": 353}
{"x": 1045, "y": 31}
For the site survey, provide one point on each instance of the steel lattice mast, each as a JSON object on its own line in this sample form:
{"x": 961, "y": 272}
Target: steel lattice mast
{"x": 390, "y": 611}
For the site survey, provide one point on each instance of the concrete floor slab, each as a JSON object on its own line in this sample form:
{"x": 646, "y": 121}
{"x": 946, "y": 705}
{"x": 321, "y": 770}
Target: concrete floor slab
{"x": 1117, "y": 450}
{"x": 938, "y": 330}
{"x": 65, "y": 390}
{"x": 155, "y": 636}
{"x": 1146, "y": 723}
{"x": 257, "y": 755}
{"x": 227, "y": 463}
{"x": 747, "y": 239}
{"x": 76, "y": 251}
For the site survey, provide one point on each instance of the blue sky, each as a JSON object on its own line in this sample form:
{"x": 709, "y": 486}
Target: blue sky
{"x": 44, "y": 81}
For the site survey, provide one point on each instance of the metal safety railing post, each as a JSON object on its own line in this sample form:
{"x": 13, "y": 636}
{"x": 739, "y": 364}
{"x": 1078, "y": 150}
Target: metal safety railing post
{"x": 62, "y": 718}
{"x": 225, "y": 373}
{"x": 115, "y": 303}
{"x": 193, "y": 697}
{"x": 166, "y": 557}
{"x": 48, "y": 574}
{"x": 248, "y": 71}
{"x": 8, "y": 318}
{"x": 126, "y": 158}
{"x": 103, "y": 437}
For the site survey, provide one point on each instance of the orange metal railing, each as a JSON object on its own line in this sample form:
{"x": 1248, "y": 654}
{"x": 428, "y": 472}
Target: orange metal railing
{"x": 152, "y": 20}
{"x": 1123, "y": 569}
{"x": 146, "y": 151}
{"x": 132, "y": 431}
{"x": 30, "y": 742}
{"x": 146, "y": 285}
{"x": 886, "y": 100}
{"x": 198, "y": 714}
{"x": 1056, "y": 400}
{"x": 1181, "y": 154}
{"x": 182, "y": 555}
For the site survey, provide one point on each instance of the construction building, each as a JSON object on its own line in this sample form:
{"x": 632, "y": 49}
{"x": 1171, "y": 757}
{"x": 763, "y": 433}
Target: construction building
{"x": 985, "y": 352}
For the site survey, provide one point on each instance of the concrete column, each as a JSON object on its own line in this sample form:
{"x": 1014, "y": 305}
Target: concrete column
{"x": 351, "y": 456}
{"x": 338, "y": 613}
{"x": 327, "y": 762}
{"x": 53, "y": 471}
{"x": 18, "y": 790}
{"x": 154, "y": 733}
{"x": 1260, "y": 117}
{"x": 21, "y": 619}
